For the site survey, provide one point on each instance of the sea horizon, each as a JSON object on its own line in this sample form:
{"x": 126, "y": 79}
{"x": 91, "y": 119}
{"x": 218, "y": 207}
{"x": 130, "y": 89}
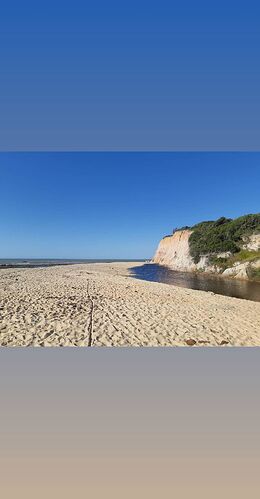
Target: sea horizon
{"x": 39, "y": 262}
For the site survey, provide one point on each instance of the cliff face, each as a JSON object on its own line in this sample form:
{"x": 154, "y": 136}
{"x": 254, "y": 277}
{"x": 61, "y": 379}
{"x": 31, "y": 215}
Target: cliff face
{"x": 174, "y": 252}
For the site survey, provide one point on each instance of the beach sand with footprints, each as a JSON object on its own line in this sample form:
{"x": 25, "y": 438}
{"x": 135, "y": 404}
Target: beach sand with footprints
{"x": 102, "y": 305}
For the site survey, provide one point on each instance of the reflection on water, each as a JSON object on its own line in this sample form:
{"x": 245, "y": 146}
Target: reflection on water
{"x": 230, "y": 287}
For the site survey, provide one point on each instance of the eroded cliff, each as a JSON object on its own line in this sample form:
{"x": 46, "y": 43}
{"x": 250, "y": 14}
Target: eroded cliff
{"x": 174, "y": 251}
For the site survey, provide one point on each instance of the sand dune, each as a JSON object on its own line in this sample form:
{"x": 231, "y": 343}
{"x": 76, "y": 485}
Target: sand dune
{"x": 102, "y": 305}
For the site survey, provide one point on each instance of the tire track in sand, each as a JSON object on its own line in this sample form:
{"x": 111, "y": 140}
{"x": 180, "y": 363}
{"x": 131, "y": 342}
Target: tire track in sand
{"x": 90, "y": 326}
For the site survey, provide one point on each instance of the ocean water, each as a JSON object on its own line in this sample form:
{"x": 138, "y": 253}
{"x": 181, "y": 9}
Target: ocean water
{"x": 49, "y": 262}
{"x": 248, "y": 290}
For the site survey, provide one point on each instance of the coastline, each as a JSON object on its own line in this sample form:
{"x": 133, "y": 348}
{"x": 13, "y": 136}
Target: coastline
{"x": 100, "y": 304}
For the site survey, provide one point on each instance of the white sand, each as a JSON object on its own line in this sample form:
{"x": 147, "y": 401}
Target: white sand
{"x": 101, "y": 304}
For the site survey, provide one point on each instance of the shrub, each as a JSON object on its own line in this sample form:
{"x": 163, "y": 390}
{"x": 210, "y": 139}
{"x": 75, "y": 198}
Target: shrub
{"x": 222, "y": 235}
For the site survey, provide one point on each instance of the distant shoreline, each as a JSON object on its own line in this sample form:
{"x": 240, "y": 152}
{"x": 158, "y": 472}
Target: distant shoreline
{"x": 41, "y": 263}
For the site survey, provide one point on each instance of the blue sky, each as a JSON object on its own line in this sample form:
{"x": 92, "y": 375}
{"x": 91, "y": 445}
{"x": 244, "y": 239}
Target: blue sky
{"x": 113, "y": 75}
{"x": 116, "y": 205}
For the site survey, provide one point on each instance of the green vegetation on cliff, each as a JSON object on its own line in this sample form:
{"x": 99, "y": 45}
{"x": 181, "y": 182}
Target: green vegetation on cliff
{"x": 222, "y": 235}
{"x": 241, "y": 257}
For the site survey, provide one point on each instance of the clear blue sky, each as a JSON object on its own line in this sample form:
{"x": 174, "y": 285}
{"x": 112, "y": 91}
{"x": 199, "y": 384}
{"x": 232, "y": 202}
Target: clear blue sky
{"x": 116, "y": 205}
{"x": 130, "y": 74}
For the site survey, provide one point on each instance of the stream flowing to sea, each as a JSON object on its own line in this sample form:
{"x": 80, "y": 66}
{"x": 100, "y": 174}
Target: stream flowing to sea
{"x": 248, "y": 290}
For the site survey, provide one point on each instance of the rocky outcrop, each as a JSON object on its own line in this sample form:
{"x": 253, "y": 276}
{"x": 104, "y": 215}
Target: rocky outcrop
{"x": 252, "y": 242}
{"x": 238, "y": 271}
{"x": 242, "y": 270}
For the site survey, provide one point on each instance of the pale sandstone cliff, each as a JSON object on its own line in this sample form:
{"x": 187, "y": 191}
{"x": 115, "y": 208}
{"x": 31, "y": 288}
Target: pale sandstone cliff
{"x": 174, "y": 252}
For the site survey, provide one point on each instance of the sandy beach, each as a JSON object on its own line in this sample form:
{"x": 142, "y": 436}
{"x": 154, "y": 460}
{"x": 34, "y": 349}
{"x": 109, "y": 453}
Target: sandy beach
{"x": 102, "y": 305}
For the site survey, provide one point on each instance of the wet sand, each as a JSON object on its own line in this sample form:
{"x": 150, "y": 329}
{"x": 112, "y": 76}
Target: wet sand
{"x": 102, "y": 305}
